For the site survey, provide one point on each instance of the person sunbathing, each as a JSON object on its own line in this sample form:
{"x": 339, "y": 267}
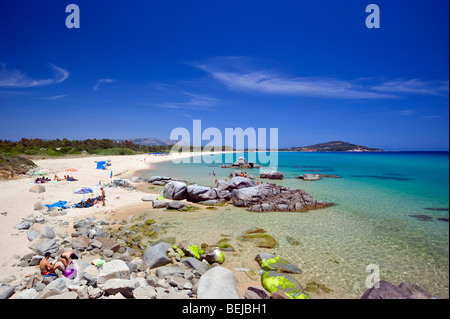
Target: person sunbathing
{"x": 67, "y": 256}
{"x": 49, "y": 269}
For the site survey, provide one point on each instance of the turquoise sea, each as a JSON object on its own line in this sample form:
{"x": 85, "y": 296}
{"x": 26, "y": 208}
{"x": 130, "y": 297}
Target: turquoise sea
{"x": 371, "y": 226}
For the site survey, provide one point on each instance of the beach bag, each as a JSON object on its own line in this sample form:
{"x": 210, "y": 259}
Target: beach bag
{"x": 70, "y": 271}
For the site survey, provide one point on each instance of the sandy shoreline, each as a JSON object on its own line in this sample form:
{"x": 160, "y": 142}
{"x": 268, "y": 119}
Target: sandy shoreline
{"x": 17, "y": 202}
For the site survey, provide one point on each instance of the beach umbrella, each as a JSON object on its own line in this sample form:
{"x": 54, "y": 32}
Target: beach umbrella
{"x": 84, "y": 190}
{"x": 40, "y": 173}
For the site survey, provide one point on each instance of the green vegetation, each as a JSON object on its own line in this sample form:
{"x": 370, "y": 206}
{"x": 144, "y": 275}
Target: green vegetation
{"x": 334, "y": 146}
{"x": 66, "y": 147}
{"x": 14, "y": 165}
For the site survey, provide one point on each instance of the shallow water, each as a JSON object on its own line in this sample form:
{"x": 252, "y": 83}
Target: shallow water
{"x": 370, "y": 223}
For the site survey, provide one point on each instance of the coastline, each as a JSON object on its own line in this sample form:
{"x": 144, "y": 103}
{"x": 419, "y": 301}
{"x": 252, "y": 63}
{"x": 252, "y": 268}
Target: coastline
{"x": 17, "y": 202}
{"x": 318, "y": 260}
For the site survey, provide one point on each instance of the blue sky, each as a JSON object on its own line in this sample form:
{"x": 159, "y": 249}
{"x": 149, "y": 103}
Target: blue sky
{"x": 312, "y": 69}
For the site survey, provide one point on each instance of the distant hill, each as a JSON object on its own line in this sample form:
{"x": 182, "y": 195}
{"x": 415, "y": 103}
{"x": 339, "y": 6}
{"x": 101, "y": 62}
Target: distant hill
{"x": 152, "y": 141}
{"x": 334, "y": 146}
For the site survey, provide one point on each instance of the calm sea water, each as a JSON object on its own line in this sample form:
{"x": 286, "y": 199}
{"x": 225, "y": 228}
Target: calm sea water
{"x": 370, "y": 224}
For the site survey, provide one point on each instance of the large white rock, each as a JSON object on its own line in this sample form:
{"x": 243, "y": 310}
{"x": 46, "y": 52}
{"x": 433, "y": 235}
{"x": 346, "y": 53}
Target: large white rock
{"x": 116, "y": 269}
{"x": 218, "y": 283}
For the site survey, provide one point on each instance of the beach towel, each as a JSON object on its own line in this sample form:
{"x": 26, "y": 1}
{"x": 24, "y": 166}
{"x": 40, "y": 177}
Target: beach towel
{"x": 59, "y": 204}
{"x": 98, "y": 262}
{"x": 101, "y": 165}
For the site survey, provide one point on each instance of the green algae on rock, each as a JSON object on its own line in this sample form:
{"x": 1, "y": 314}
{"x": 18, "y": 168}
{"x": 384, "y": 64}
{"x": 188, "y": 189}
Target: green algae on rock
{"x": 315, "y": 287}
{"x": 213, "y": 255}
{"x": 270, "y": 262}
{"x": 261, "y": 239}
{"x": 274, "y": 281}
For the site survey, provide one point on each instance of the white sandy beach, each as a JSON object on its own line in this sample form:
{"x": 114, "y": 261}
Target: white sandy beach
{"x": 18, "y": 202}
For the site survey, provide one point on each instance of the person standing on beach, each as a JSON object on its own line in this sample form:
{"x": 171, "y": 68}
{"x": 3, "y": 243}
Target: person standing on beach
{"x": 103, "y": 196}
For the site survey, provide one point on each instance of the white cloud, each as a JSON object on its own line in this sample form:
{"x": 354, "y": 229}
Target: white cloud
{"x": 414, "y": 86}
{"x": 237, "y": 73}
{"x": 17, "y": 79}
{"x": 102, "y": 81}
{"x": 195, "y": 102}
{"x": 403, "y": 112}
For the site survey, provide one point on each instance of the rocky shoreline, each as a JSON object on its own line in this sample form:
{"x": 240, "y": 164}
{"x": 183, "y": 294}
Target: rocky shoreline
{"x": 125, "y": 261}
{"x": 160, "y": 270}
{"x": 241, "y": 192}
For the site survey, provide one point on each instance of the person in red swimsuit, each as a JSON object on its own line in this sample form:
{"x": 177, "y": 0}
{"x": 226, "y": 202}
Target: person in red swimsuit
{"x": 48, "y": 269}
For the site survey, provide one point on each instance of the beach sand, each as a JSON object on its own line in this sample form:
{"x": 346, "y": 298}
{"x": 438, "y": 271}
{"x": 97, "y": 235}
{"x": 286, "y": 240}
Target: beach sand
{"x": 17, "y": 202}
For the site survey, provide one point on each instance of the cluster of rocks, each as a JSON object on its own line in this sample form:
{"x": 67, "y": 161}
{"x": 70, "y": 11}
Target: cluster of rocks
{"x": 125, "y": 273}
{"x": 243, "y": 192}
{"x": 161, "y": 202}
{"x": 194, "y": 193}
{"x": 241, "y": 163}
{"x": 386, "y": 290}
{"x": 316, "y": 177}
{"x": 158, "y": 271}
{"x": 123, "y": 183}
{"x": 272, "y": 197}
{"x": 162, "y": 180}
{"x": 427, "y": 218}
{"x": 272, "y": 175}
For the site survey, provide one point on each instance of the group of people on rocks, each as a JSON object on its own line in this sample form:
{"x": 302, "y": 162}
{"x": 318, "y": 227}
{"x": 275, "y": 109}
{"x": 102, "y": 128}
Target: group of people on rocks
{"x": 49, "y": 268}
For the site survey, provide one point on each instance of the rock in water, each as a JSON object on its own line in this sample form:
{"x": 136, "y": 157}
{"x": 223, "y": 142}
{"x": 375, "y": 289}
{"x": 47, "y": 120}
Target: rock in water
{"x": 218, "y": 283}
{"x": 214, "y": 255}
{"x": 197, "y": 193}
{"x": 241, "y": 182}
{"x": 270, "y": 197}
{"x": 272, "y": 175}
{"x": 270, "y": 262}
{"x": 175, "y": 191}
{"x": 274, "y": 281}
{"x": 260, "y": 238}
{"x": 311, "y": 177}
{"x": 385, "y": 290}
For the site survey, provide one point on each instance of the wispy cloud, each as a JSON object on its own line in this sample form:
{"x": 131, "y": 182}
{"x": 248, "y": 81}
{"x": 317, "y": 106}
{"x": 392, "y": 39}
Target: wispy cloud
{"x": 414, "y": 86}
{"x": 16, "y": 79}
{"x": 237, "y": 73}
{"x": 428, "y": 117}
{"x": 55, "y": 97}
{"x": 402, "y": 112}
{"x": 194, "y": 102}
{"x": 102, "y": 81}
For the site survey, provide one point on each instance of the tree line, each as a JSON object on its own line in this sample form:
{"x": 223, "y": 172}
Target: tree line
{"x": 61, "y": 147}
